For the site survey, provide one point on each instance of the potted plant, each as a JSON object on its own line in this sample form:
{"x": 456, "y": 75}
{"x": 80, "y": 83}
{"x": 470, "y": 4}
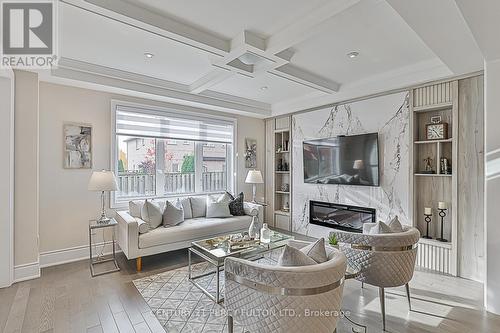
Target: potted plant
{"x": 332, "y": 240}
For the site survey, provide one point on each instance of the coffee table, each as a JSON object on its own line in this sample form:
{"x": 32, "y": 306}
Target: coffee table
{"x": 215, "y": 250}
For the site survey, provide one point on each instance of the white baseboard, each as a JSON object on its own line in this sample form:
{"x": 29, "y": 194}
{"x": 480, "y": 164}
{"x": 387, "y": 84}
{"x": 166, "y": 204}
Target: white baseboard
{"x": 26, "y": 272}
{"x": 72, "y": 254}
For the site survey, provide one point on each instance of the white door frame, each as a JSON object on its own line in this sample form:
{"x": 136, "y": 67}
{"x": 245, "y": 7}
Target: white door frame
{"x": 7, "y": 206}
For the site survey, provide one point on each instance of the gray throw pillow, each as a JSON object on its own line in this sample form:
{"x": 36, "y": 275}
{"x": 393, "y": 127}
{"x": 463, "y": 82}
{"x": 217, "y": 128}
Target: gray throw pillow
{"x": 380, "y": 228}
{"x": 198, "y": 206}
{"x": 186, "y": 205}
{"x": 316, "y": 251}
{"x": 395, "y": 225}
{"x": 294, "y": 257}
{"x": 152, "y": 214}
{"x": 236, "y": 205}
{"x": 173, "y": 214}
{"x": 218, "y": 206}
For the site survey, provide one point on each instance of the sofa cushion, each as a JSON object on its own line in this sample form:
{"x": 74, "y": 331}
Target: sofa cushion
{"x": 236, "y": 205}
{"x": 198, "y": 206}
{"x": 186, "y": 206}
{"x": 135, "y": 207}
{"x": 192, "y": 229}
{"x": 294, "y": 257}
{"x": 316, "y": 251}
{"x": 152, "y": 214}
{"x": 173, "y": 214}
{"x": 218, "y": 206}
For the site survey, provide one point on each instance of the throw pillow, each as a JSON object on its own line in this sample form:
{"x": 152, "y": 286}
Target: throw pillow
{"x": 186, "y": 205}
{"x": 198, "y": 206}
{"x": 142, "y": 226}
{"x": 236, "y": 206}
{"x": 316, "y": 251}
{"x": 135, "y": 207}
{"x": 395, "y": 224}
{"x": 294, "y": 257}
{"x": 218, "y": 207}
{"x": 173, "y": 214}
{"x": 380, "y": 228}
{"x": 152, "y": 214}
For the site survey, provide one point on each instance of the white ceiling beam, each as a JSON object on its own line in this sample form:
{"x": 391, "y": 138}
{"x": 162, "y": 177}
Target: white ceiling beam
{"x": 483, "y": 18}
{"x": 144, "y": 19}
{"x": 298, "y": 75}
{"x": 134, "y": 83}
{"x": 308, "y": 25}
{"x": 442, "y": 28}
{"x": 215, "y": 76}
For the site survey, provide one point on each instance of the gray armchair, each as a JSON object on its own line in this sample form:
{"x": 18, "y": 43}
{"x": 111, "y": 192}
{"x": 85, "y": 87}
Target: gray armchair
{"x": 267, "y": 298}
{"x": 384, "y": 260}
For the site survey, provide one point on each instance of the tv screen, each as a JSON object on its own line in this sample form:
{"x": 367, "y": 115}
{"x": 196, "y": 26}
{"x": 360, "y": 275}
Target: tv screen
{"x": 347, "y": 160}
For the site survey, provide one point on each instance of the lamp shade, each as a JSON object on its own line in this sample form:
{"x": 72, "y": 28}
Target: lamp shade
{"x": 103, "y": 181}
{"x": 254, "y": 177}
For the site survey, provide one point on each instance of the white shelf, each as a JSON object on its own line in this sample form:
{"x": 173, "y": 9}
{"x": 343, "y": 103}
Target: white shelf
{"x": 281, "y": 212}
{"x": 432, "y": 175}
{"x": 433, "y": 141}
{"x": 282, "y": 152}
{"x": 282, "y": 192}
{"x": 433, "y": 107}
{"x": 284, "y": 172}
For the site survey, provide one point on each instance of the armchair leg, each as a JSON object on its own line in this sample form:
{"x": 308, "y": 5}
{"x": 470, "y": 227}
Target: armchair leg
{"x": 381, "y": 293}
{"x": 408, "y": 295}
{"x": 138, "y": 264}
{"x": 362, "y": 285}
{"x": 229, "y": 324}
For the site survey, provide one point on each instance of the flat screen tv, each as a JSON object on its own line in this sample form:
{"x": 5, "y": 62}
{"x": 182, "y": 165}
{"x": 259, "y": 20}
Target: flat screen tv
{"x": 346, "y": 160}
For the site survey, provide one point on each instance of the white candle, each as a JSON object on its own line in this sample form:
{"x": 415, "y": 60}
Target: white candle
{"x": 428, "y": 211}
{"x": 442, "y": 205}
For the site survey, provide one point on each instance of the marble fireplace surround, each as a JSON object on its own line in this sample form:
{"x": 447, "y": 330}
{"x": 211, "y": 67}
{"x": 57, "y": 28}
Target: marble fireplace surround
{"x": 389, "y": 116}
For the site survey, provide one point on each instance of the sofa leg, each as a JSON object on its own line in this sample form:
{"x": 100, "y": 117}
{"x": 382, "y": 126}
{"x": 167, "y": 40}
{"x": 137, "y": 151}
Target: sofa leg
{"x": 381, "y": 294}
{"x": 138, "y": 264}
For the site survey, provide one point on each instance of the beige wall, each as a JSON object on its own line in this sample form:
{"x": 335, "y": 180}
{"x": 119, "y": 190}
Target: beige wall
{"x": 26, "y": 169}
{"x": 65, "y": 204}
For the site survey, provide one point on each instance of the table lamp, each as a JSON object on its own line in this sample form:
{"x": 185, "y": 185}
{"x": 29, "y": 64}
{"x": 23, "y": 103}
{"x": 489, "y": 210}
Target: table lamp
{"x": 102, "y": 181}
{"x": 254, "y": 177}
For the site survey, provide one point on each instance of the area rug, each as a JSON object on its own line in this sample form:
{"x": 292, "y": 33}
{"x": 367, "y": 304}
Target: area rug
{"x": 182, "y": 307}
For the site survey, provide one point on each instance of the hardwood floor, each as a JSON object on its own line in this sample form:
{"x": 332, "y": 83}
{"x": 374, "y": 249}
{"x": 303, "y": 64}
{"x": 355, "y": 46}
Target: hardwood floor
{"x": 67, "y": 299}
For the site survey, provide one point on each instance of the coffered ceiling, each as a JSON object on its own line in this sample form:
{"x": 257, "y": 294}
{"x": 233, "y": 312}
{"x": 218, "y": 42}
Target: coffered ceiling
{"x": 258, "y": 57}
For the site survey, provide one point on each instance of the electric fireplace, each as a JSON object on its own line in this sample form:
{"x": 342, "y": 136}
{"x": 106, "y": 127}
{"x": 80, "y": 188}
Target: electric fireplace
{"x": 339, "y": 216}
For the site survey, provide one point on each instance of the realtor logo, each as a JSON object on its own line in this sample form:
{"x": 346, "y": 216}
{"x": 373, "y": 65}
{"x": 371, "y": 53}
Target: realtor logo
{"x": 28, "y": 34}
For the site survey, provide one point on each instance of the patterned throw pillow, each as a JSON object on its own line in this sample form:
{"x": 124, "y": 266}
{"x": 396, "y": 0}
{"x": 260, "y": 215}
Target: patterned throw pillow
{"x": 236, "y": 205}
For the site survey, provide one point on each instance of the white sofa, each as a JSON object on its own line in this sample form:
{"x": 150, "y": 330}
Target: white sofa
{"x": 161, "y": 239}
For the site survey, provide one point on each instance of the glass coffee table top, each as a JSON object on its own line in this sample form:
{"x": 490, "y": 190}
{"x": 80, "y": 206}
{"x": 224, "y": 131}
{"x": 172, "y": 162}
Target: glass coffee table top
{"x": 221, "y": 247}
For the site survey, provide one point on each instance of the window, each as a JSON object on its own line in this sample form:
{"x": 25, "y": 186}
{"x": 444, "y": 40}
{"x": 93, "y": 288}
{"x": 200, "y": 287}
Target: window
{"x": 151, "y": 164}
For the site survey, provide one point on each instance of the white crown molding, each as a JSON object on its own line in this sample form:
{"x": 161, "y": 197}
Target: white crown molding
{"x": 298, "y": 75}
{"x": 104, "y": 78}
{"x": 399, "y": 78}
{"x": 26, "y": 271}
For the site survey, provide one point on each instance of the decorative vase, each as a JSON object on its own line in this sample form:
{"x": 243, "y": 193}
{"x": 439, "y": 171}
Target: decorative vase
{"x": 253, "y": 229}
{"x": 265, "y": 234}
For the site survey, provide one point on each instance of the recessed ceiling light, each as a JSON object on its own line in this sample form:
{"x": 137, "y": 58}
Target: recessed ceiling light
{"x": 264, "y": 88}
{"x": 353, "y": 54}
{"x": 149, "y": 55}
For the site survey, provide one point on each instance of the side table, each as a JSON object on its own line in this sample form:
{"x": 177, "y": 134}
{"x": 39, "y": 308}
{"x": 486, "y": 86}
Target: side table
{"x": 94, "y": 225}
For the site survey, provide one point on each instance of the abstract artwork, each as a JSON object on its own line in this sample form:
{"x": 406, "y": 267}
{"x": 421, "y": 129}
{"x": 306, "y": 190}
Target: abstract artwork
{"x": 77, "y": 152}
{"x": 250, "y": 153}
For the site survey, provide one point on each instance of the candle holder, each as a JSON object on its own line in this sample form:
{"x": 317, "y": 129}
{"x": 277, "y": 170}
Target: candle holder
{"x": 442, "y": 214}
{"x": 428, "y": 220}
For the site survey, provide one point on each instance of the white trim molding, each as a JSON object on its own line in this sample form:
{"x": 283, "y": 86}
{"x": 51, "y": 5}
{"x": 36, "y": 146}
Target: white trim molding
{"x": 26, "y": 271}
{"x": 72, "y": 254}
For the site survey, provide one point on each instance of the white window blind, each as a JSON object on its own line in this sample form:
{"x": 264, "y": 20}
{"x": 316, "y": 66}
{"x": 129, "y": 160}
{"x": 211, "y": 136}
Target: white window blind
{"x": 136, "y": 121}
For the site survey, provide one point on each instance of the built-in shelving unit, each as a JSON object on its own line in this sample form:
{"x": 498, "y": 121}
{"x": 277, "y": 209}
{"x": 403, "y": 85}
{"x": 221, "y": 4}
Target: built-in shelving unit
{"x": 279, "y": 155}
{"x": 428, "y": 189}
